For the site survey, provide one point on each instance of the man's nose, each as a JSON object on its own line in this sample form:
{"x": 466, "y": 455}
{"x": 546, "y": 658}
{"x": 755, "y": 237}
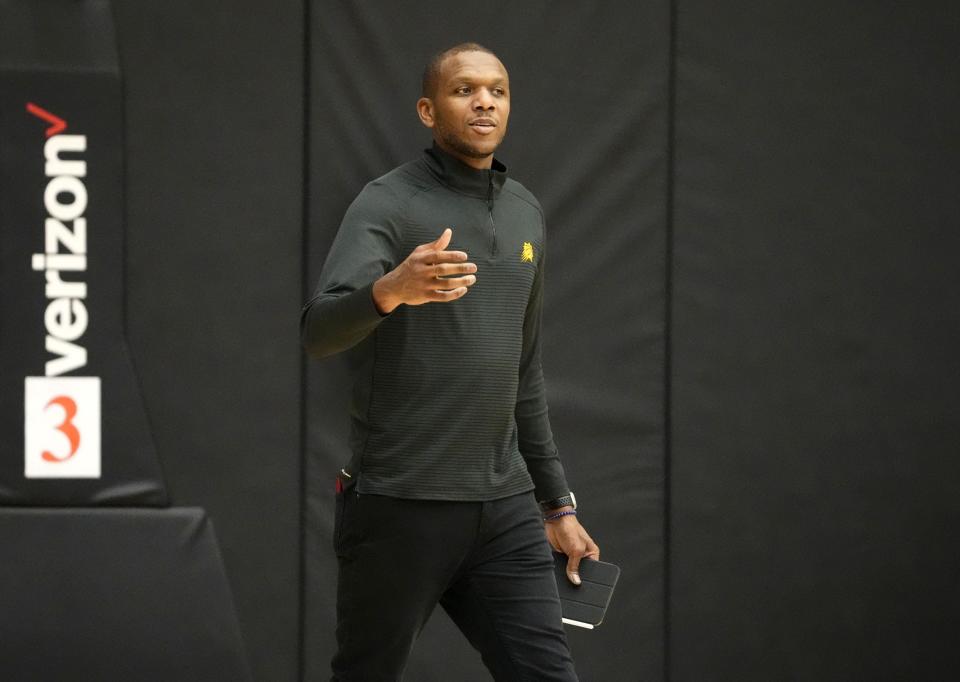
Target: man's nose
{"x": 484, "y": 100}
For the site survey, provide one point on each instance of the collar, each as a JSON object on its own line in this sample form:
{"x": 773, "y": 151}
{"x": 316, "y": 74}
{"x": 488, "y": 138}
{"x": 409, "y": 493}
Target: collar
{"x": 457, "y": 175}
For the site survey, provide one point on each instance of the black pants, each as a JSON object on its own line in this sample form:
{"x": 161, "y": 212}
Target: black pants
{"x": 487, "y": 563}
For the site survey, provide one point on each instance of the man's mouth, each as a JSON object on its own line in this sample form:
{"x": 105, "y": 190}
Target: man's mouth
{"x": 483, "y": 125}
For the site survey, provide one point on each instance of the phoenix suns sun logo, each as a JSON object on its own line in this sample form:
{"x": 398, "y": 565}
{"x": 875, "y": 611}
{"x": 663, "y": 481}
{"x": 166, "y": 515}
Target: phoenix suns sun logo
{"x": 526, "y": 254}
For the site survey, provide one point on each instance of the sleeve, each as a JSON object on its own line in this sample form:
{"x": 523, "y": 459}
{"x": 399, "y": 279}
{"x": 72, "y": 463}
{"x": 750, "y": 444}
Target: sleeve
{"x": 341, "y": 312}
{"x": 534, "y": 435}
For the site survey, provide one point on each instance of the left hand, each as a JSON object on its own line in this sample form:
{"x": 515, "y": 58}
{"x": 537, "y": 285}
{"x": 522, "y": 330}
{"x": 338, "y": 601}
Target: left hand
{"x": 568, "y": 536}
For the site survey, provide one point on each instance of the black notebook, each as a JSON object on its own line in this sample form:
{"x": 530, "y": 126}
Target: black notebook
{"x": 584, "y": 605}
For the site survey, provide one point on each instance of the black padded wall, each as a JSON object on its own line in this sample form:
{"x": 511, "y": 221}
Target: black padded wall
{"x": 214, "y": 115}
{"x": 115, "y": 594}
{"x": 588, "y": 137}
{"x": 814, "y": 309}
{"x": 815, "y": 329}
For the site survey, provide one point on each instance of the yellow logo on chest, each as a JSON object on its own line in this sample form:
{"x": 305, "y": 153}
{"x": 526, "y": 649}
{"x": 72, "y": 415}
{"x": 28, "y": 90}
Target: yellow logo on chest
{"x": 526, "y": 255}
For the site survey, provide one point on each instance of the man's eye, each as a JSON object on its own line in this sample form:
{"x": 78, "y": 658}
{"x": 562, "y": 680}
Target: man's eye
{"x": 463, "y": 90}
{"x": 499, "y": 91}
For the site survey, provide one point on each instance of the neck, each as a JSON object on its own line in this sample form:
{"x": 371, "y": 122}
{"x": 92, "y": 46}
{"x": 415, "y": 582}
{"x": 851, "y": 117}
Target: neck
{"x": 480, "y": 163}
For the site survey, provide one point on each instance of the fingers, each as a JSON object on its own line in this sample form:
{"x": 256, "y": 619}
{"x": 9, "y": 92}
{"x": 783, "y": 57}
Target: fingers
{"x": 445, "y": 266}
{"x": 435, "y": 251}
{"x": 573, "y": 569}
{"x": 432, "y": 274}
{"x": 593, "y": 551}
{"x": 443, "y": 240}
{"x": 447, "y": 269}
{"x": 447, "y": 283}
{"x": 432, "y": 257}
{"x": 441, "y": 296}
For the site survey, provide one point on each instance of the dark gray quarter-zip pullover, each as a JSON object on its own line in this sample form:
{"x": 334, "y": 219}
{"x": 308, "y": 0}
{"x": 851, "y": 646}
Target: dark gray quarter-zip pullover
{"x": 448, "y": 399}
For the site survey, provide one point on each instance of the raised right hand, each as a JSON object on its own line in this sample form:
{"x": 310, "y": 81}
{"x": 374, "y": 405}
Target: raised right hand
{"x": 425, "y": 277}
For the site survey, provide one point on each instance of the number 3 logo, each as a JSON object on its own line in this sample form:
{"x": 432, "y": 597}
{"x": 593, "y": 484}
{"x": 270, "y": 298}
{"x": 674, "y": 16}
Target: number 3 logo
{"x": 66, "y": 427}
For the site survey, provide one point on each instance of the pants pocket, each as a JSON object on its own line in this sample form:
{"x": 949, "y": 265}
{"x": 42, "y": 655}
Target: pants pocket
{"x": 344, "y": 499}
{"x": 337, "y": 521}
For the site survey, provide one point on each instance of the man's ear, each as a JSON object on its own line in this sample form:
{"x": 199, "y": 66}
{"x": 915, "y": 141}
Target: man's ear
{"x": 425, "y": 111}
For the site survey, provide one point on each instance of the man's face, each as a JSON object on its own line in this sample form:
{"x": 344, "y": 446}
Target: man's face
{"x": 469, "y": 110}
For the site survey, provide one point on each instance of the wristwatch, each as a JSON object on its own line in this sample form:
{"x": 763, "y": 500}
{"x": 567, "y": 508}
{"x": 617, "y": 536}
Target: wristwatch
{"x": 563, "y": 501}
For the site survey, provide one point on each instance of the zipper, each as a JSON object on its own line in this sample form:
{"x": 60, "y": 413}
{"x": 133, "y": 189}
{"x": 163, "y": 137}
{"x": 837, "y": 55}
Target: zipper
{"x": 493, "y": 224}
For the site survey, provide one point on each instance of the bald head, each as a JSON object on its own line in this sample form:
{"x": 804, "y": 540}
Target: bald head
{"x": 434, "y": 67}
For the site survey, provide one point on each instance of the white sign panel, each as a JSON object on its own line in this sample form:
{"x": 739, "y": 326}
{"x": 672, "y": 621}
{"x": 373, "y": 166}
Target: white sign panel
{"x": 62, "y": 427}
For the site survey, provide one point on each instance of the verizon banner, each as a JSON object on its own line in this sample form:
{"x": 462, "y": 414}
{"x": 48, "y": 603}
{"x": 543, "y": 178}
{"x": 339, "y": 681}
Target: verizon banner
{"x": 72, "y": 425}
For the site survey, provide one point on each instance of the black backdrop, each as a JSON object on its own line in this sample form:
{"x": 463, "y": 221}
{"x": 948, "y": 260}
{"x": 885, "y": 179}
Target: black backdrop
{"x": 785, "y": 198}
{"x": 815, "y": 330}
{"x": 214, "y": 118}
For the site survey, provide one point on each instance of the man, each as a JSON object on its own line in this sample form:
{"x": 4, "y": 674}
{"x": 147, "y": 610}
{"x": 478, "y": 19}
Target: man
{"x": 452, "y": 448}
